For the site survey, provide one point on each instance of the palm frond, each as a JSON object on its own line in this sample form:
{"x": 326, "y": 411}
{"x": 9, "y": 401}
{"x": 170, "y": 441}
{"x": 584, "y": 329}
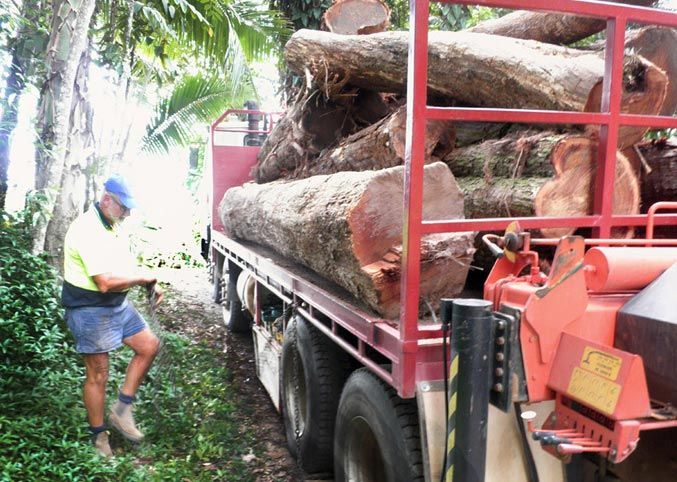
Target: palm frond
{"x": 181, "y": 116}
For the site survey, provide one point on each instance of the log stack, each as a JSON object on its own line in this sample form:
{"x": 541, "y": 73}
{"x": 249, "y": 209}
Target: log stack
{"x": 320, "y": 195}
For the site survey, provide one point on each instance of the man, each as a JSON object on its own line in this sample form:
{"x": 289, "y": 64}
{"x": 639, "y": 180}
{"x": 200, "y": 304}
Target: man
{"x": 99, "y": 269}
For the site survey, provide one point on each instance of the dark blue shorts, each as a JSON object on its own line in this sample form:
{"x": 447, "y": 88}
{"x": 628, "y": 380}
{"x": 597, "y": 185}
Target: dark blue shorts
{"x": 102, "y": 329}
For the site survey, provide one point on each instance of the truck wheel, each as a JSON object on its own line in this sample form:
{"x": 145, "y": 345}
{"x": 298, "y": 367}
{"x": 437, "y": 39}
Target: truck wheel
{"x": 235, "y": 318}
{"x": 377, "y": 433}
{"x": 311, "y": 377}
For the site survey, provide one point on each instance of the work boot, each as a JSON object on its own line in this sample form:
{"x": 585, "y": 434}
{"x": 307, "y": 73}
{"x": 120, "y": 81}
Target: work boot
{"x": 101, "y": 444}
{"x": 122, "y": 418}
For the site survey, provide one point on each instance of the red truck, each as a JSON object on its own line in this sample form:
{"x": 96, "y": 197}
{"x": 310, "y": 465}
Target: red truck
{"x": 578, "y": 361}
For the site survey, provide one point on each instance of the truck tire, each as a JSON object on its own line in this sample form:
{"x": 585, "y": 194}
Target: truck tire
{"x": 311, "y": 377}
{"x": 377, "y": 433}
{"x": 236, "y": 319}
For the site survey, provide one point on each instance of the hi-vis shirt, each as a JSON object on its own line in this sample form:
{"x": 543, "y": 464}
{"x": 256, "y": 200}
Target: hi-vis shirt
{"x": 93, "y": 246}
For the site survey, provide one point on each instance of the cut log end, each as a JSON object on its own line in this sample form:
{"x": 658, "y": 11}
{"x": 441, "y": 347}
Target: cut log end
{"x": 357, "y": 17}
{"x": 570, "y": 192}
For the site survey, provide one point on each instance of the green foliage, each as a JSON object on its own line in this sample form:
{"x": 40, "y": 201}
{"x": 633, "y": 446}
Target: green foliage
{"x": 186, "y": 408}
{"x": 196, "y": 100}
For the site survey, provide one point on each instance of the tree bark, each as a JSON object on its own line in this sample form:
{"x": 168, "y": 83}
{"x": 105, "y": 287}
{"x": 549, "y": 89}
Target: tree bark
{"x": 20, "y": 67}
{"x": 378, "y": 147}
{"x": 14, "y": 86}
{"x": 659, "y": 172}
{"x": 67, "y": 41}
{"x": 464, "y": 66}
{"x": 71, "y": 198}
{"x": 550, "y": 28}
{"x": 348, "y": 228}
{"x": 520, "y": 153}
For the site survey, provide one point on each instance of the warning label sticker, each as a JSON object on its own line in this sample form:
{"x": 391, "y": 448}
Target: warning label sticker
{"x": 601, "y": 363}
{"x": 594, "y": 390}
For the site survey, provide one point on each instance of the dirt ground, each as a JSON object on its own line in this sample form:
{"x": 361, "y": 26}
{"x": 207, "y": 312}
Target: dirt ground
{"x": 190, "y": 308}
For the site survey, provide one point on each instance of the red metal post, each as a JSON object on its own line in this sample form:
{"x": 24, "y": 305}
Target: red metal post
{"x": 417, "y": 81}
{"x": 611, "y": 103}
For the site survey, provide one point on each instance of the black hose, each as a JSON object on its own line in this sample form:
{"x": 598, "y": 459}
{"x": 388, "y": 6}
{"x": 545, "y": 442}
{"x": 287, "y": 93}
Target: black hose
{"x": 532, "y": 473}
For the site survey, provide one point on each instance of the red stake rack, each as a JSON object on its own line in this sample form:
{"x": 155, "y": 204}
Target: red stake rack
{"x": 418, "y": 112}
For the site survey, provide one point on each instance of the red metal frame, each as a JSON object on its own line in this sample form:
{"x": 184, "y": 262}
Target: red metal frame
{"x": 418, "y": 112}
{"x": 412, "y": 349}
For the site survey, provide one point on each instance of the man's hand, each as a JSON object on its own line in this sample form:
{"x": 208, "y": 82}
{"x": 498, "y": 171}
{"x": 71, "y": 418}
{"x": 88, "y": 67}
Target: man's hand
{"x": 155, "y": 293}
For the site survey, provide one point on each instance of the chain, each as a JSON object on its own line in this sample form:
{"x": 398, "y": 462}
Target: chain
{"x": 297, "y": 388}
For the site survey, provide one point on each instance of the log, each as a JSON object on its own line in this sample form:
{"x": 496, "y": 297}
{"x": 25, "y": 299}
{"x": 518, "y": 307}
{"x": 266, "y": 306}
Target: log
{"x": 357, "y": 17}
{"x": 564, "y": 188}
{"x": 520, "y": 153}
{"x": 550, "y": 28}
{"x": 520, "y": 74}
{"x": 659, "y": 46}
{"x": 378, "y": 147}
{"x": 645, "y": 91}
{"x": 659, "y": 172}
{"x": 347, "y": 227}
{"x": 570, "y": 192}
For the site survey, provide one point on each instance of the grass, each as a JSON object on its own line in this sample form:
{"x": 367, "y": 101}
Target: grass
{"x": 186, "y": 408}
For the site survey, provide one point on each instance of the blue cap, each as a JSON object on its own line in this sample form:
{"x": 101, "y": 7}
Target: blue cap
{"x": 118, "y": 186}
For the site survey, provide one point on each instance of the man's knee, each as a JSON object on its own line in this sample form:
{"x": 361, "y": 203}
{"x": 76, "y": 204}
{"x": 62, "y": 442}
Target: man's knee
{"x": 150, "y": 346}
{"x": 97, "y": 369}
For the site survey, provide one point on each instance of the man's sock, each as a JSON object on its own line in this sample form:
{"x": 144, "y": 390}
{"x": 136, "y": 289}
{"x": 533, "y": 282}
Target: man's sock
{"x": 126, "y": 399}
{"x": 94, "y": 431}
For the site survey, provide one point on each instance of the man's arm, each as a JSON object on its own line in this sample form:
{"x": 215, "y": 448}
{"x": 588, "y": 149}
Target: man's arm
{"x": 107, "y": 282}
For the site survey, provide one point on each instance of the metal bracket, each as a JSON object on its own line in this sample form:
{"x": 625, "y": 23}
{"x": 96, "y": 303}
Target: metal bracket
{"x": 507, "y": 383}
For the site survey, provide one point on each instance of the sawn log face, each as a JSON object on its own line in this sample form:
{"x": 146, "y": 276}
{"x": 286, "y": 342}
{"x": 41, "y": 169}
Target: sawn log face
{"x": 348, "y": 228}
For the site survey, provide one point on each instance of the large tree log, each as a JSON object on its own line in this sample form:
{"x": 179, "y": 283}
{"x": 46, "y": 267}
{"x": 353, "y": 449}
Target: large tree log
{"x": 547, "y": 27}
{"x": 519, "y": 74}
{"x": 572, "y": 159}
{"x": 378, "y": 147}
{"x": 520, "y": 153}
{"x": 348, "y": 228}
{"x": 313, "y": 123}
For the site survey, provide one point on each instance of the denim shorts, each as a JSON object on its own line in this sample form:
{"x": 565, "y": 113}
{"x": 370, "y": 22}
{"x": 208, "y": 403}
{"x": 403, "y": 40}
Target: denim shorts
{"x": 101, "y": 329}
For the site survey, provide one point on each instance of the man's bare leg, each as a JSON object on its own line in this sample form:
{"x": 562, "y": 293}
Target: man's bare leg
{"x": 96, "y": 377}
{"x": 145, "y": 345}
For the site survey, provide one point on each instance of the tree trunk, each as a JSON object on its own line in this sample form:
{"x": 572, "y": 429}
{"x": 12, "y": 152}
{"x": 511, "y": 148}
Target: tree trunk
{"x": 550, "y": 28}
{"x": 378, "y": 147}
{"x": 67, "y": 41}
{"x": 14, "y": 86}
{"x": 20, "y": 67}
{"x": 70, "y": 200}
{"x": 348, "y": 228}
{"x": 462, "y": 65}
{"x": 520, "y": 153}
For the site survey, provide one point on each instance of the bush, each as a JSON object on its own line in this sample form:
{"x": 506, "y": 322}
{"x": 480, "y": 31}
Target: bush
{"x": 187, "y": 408}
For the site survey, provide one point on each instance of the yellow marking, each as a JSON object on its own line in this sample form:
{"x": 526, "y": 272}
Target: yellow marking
{"x": 452, "y": 404}
{"x": 453, "y": 368}
{"x": 451, "y": 440}
{"x": 601, "y": 363}
{"x": 594, "y": 390}
{"x": 450, "y": 475}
